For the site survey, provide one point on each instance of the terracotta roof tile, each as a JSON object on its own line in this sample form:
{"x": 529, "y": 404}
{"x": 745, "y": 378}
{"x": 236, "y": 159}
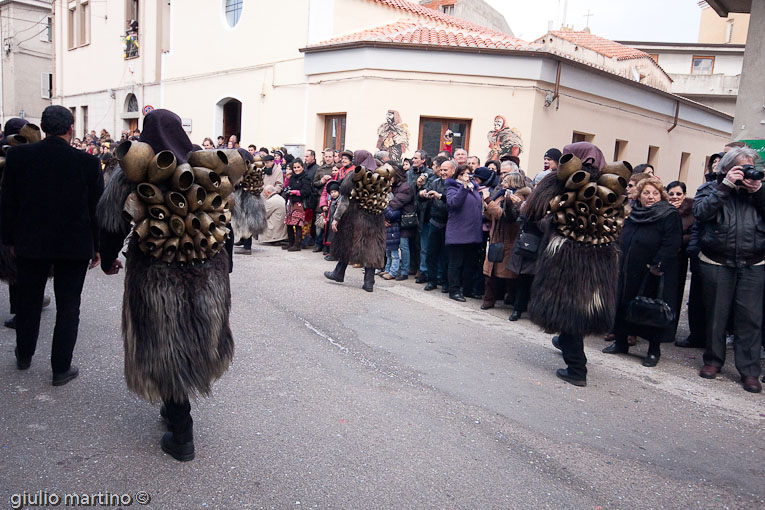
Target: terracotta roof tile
{"x": 419, "y": 32}
{"x": 436, "y": 16}
{"x": 606, "y": 47}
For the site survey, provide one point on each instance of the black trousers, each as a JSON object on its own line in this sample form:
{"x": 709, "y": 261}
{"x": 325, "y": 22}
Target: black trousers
{"x": 478, "y": 280}
{"x": 572, "y": 348}
{"x": 497, "y": 288}
{"x": 669, "y": 333}
{"x": 736, "y": 290}
{"x": 13, "y": 296}
{"x": 523, "y": 292}
{"x": 179, "y": 419}
{"x": 462, "y": 261}
{"x": 696, "y": 316}
{"x": 69, "y": 276}
{"x": 436, "y": 238}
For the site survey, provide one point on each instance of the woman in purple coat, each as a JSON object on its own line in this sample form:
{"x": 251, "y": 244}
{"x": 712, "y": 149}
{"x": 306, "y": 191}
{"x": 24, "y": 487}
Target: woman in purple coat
{"x": 463, "y": 232}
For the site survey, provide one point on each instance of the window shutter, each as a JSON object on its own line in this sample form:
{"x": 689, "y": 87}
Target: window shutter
{"x": 45, "y": 85}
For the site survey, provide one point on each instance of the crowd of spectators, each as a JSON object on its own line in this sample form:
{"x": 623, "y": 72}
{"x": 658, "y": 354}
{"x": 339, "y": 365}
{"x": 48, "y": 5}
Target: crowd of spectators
{"x": 453, "y": 223}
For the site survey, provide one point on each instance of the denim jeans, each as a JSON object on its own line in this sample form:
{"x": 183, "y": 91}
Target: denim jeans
{"x": 393, "y": 262}
{"x": 424, "y": 233}
{"x": 405, "y": 256}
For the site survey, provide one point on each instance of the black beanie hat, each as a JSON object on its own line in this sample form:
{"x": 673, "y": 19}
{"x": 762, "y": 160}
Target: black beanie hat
{"x": 553, "y": 154}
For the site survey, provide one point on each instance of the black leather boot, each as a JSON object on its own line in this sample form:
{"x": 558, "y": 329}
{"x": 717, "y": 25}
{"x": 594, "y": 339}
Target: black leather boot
{"x": 369, "y": 279}
{"x": 338, "y": 275}
{"x": 298, "y": 239}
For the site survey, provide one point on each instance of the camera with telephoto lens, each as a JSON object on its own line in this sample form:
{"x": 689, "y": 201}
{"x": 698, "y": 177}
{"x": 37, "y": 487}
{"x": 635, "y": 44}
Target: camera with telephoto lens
{"x": 750, "y": 172}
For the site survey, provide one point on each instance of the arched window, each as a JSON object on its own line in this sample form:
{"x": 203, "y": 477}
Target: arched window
{"x": 233, "y": 10}
{"x": 131, "y": 103}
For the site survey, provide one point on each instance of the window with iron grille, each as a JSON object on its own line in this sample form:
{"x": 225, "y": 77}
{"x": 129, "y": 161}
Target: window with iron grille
{"x": 233, "y": 11}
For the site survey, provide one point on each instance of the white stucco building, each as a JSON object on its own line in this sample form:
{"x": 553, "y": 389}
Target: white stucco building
{"x": 26, "y": 68}
{"x": 329, "y": 75}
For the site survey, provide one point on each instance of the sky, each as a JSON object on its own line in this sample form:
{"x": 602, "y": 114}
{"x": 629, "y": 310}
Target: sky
{"x": 622, "y": 20}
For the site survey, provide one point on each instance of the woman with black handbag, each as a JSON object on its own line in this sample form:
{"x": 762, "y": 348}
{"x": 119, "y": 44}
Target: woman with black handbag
{"x": 650, "y": 242}
{"x": 502, "y": 210}
{"x": 523, "y": 261}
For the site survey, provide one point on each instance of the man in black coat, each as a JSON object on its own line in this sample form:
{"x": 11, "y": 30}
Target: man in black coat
{"x": 49, "y": 196}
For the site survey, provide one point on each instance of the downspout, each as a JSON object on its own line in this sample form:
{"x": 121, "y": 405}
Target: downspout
{"x": 677, "y": 112}
{"x": 556, "y": 91}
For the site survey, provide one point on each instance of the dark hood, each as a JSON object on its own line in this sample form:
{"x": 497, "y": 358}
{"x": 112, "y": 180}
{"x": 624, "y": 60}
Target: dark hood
{"x": 163, "y": 130}
{"x": 584, "y": 151}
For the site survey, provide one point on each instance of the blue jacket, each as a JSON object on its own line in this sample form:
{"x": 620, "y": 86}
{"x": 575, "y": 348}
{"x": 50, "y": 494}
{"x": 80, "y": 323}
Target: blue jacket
{"x": 392, "y": 233}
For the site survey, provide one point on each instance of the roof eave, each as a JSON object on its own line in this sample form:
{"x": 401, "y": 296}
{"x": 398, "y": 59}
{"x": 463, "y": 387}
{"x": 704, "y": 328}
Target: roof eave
{"x": 413, "y": 46}
{"x": 519, "y": 53}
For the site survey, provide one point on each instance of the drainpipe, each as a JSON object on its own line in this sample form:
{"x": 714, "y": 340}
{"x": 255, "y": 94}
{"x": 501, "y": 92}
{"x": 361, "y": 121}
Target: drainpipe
{"x": 677, "y": 111}
{"x": 556, "y": 92}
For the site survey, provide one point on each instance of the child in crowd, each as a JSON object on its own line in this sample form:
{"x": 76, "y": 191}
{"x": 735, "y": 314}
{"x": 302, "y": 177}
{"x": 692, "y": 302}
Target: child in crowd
{"x": 392, "y": 243}
{"x": 333, "y": 191}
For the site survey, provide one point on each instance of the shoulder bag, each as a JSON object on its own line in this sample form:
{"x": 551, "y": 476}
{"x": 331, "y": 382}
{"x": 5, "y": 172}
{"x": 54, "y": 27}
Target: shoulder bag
{"x": 527, "y": 244}
{"x": 496, "y": 251}
{"x": 645, "y": 311}
{"x": 409, "y": 219}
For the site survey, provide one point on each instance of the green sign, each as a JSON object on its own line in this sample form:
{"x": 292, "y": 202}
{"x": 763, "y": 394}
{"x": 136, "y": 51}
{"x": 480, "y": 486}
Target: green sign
{"x": 759, "y": 147}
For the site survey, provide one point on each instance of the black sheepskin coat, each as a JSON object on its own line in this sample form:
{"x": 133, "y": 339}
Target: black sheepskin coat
{"x": 175, "y": 317}
{"x": 574, "y": 290}
{"x": 360, "y": 237}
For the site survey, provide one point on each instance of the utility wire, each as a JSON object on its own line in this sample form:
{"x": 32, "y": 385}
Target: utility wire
{"x": 28, "y": 38}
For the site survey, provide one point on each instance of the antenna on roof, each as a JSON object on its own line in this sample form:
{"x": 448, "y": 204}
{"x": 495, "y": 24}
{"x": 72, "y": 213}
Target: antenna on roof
{"x": 565, "y": 12}
{"x": 588, "y": 16}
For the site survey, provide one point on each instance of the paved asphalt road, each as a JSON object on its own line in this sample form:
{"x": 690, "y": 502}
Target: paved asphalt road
{"x": 338, "y": 398}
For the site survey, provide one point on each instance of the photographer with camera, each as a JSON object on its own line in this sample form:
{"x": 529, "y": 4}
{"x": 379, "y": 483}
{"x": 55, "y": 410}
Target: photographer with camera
{"x": 732, "y": 263}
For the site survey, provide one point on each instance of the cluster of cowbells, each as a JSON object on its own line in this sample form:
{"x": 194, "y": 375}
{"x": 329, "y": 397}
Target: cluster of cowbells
{"x": 590, "y": 212}
{"x": 29, "y": 133}
{"x": 180, "y": 211}
{"x": 371, "y": 188}
{"x": 252, "y": 180}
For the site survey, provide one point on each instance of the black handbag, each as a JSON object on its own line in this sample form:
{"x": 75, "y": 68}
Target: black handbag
{"x": 496, "y": 251}
{"x": 409, "y": 220}
{"x": 527, "y": 244}
{"x": 645, "y": 311}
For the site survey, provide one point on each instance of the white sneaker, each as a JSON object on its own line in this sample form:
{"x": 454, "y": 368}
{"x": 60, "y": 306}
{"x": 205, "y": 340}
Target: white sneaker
{"x": 729, "y": 341}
